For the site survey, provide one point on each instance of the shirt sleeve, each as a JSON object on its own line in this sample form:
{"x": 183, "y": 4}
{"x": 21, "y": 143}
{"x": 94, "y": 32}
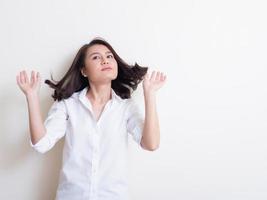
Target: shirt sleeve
{"x": 55, "y": 124}
{"x": 135, "y": 122}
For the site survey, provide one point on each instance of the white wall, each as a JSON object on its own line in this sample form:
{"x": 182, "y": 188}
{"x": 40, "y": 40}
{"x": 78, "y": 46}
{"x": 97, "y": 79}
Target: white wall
{"x": 213, "y": 109}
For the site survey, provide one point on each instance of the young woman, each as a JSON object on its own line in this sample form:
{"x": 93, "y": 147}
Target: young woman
{"x": 93, "y": 109}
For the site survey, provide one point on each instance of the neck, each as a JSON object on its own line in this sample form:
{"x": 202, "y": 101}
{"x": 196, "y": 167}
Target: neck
{"x": 99, "y": 93}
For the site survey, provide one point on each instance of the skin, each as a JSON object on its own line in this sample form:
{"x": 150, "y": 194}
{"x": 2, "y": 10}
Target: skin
{"x": 31, "y": 90}
{"x": 100, "y": 69}
{"x": 98, "y": 58}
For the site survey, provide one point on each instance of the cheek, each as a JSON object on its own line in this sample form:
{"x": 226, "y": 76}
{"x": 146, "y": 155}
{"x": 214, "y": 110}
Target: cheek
{"x": 91, "y": 70}
{"x": 115, "y": 64}
{"x": 91, "y": 65}
{"x": 116, "y": 68}
{"x": 116, "y": 72}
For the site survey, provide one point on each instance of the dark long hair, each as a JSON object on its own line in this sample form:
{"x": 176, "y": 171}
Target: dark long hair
{"x": 129, "y": 76}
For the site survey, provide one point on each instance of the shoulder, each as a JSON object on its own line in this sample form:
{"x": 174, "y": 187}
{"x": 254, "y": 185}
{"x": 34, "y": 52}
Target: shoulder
{"x": 65, "y": 103}
{"x": 131, "y": 106}
{"x": 125, "y": 102}
{"x": 73, "y": 98}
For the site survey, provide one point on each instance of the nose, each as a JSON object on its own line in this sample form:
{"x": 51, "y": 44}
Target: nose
{"x": 104, "y": 61}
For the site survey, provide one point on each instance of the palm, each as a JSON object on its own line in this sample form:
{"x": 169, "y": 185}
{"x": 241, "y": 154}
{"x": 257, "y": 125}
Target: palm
{"x": 154, "y": 81}
{"x": 26, "y": 85}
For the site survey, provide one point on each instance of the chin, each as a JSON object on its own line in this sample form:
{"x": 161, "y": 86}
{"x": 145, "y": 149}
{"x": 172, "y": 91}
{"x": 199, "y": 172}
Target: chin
{"x": 108, "y": 79}
{"x": 113, "y": 76}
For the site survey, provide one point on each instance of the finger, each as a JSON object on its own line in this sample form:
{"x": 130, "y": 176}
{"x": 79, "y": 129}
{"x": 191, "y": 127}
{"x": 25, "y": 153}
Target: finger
{"x": 25, "y": 78}
{"x": 35, "y": 76}
{"x": 164, "y": 78}
{"x": 18, "y": 79}
{"x": 157, "y": 76}
{"x": 161, "y": 76}
{"x": 147, "y": 76}
{"x": 22, "y": 80}
{"x": 38, "y": 77}
{"x": 32, "y": 77}
{"x": 152, "y": 77}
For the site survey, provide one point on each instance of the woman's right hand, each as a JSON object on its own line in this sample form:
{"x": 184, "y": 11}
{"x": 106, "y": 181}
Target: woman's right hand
{"x": 27, "y": 86}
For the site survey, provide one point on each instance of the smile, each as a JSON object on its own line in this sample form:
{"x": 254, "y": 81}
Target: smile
{"x": 106, "y": 69}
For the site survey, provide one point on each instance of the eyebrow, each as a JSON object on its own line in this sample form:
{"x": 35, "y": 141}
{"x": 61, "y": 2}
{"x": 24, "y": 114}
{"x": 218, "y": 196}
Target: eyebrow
{"x": 99, "y": 53}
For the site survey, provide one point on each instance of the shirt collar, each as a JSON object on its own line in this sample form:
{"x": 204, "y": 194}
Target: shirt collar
{"x": 83, "y": 92}
{"x": 86, "y": 102}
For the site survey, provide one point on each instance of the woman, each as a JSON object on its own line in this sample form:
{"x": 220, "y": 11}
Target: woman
{"x": 93, "y": 109}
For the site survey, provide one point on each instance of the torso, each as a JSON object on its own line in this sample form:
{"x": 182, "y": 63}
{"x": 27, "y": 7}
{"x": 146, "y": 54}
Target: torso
{"x": 97, "y": 109}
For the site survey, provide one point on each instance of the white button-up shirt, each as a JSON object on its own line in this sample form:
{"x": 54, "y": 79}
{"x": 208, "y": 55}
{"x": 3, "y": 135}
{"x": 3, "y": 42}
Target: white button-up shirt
{"x": 94, "y": 163}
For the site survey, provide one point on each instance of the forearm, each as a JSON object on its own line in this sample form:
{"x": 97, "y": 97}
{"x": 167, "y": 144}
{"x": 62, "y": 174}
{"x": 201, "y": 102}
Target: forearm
{"x": 37, "y": 129}
{"x": 151, "y": 131}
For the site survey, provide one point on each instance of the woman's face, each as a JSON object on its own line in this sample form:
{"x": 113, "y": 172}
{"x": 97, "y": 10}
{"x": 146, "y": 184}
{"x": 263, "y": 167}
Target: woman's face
{"x": 100, "y": 64}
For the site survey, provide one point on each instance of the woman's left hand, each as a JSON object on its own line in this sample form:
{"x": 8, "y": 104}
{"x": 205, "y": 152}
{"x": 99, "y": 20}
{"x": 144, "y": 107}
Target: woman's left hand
{"x": 154, "y": 81}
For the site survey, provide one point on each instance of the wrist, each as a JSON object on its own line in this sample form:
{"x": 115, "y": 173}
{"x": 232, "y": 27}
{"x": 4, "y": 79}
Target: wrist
{"x": 30, "y": 95}
{"x": 149, "y": 92}
{"x": 150, "y": 95}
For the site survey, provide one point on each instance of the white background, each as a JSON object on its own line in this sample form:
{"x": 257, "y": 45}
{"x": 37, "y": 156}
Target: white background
{"x": 213, "y": 108}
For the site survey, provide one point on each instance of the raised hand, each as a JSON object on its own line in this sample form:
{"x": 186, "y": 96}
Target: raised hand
{"x": 29, "y": 86}
{"x": 154, "y": 81}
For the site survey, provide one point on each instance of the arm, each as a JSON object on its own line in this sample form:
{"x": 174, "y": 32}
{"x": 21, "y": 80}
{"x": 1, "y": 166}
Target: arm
{"x": 151, "y": 132}
{"x": 31, "y": 90}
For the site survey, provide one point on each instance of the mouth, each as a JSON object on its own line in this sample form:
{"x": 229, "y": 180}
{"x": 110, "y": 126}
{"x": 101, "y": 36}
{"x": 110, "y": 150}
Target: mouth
{"x": 106, "y": 69}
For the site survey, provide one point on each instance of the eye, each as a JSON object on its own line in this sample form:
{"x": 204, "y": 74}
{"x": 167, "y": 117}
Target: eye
{"x": 96, "y": 57}
{"x": 110, "y": 56}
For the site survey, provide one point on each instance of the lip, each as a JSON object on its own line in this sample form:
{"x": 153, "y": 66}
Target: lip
{"x": 106, "y": 68}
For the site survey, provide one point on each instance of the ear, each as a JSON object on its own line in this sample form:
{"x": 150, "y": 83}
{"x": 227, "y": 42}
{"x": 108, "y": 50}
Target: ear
{"x": 82, "y": 72}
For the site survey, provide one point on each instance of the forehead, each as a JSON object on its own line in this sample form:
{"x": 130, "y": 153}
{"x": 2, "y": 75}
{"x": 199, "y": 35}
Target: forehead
{"x": 97, "y": 48}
